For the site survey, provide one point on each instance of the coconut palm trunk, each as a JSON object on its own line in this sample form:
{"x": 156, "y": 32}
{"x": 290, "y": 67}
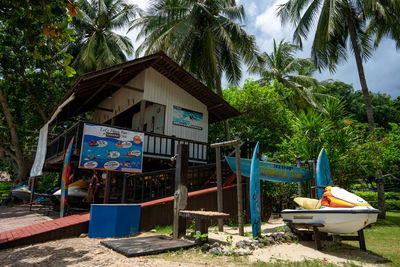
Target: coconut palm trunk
{"x": 368, "y": 108}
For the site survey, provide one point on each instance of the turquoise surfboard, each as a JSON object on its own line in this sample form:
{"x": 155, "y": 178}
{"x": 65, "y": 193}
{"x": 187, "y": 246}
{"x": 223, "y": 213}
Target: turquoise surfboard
{"x": 255, "y": 200}
{"x": 323, "y": 172}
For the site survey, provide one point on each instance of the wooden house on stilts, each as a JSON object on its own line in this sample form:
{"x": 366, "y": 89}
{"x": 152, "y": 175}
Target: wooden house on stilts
{"x": 153, "y": 96}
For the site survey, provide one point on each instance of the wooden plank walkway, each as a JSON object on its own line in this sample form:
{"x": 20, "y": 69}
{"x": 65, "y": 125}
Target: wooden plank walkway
{"x": 69, "y": 226}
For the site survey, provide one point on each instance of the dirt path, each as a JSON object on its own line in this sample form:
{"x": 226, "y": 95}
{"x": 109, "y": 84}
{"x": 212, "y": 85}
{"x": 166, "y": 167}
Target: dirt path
{"x": 86, "y": 251}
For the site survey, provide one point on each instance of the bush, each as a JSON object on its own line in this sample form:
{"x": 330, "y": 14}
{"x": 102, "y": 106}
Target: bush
{"x": 392, "y": 205}
{"x": 392, "y": 199}
{"x": 5, "y": 188}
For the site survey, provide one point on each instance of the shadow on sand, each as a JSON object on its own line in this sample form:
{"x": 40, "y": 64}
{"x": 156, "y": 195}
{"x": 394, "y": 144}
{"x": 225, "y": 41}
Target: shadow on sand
{"x": 43, "y": 256}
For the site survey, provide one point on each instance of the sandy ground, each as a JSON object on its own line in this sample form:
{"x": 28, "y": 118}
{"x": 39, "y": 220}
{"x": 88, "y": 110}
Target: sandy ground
{"x": 86, "y": 251}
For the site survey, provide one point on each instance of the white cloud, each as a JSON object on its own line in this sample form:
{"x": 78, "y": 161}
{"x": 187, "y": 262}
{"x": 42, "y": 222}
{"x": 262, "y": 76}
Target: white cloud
{"x": 251, "y": 9}
{"x": 141, "y": 3}
{"x": 269, "y": 23}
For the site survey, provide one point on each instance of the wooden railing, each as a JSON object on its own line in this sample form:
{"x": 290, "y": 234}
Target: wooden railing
{"x": 155, "y": 145}
{"x": 159, "y": 184}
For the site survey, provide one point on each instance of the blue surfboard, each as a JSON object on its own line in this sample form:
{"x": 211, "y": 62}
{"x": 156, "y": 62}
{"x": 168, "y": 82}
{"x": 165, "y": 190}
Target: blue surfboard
{"x": 323, "y": 172}
{"x": 255, "y": 201}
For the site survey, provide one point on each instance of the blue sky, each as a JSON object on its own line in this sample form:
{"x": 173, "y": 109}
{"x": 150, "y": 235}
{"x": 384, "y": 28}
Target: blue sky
{"x": 381, "y": 70}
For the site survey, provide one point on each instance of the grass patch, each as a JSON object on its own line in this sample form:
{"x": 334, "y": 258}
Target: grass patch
{"x": 166, "y": 229}
{"x": 383, "y": 238}
{"x": 304, "y": 263}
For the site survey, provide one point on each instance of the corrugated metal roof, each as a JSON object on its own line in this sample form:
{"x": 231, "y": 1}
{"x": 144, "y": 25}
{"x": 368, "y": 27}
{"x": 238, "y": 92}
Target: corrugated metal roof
{"x": 91, "y": 88}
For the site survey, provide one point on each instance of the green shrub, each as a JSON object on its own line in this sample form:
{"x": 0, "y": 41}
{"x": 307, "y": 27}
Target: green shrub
{"x": 48, "y": 181}
{"x": 392, "y": 205}
{"x": 392, "y": 199}
{"x": 5, "y": 188}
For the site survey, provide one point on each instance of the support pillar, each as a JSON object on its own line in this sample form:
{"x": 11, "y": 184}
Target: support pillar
{"x": 180, "y": 196}
{"x": 107, "y": 188}
{"x": 219, "y": 187}
{"x": 239, "y": 187}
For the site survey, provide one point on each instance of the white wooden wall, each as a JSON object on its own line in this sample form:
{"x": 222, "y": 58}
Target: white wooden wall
{"x": 159, "y": 89}
{"x": 120, "y": 100}
{"x": 158, "y": 112}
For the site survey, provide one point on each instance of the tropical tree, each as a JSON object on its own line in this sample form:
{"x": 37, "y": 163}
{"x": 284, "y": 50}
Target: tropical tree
{"x": 384, "y": 21}
{"x": 294, "y": 73}
{"x": 337, "y": 22}
{"x": 204, "y": 37}
{"x": 96, "y": 44}
{"x": 32, "y": 76}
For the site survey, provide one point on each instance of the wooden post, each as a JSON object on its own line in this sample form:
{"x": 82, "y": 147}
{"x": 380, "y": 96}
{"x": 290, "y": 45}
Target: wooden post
{"x": 239, "y": 187}
{"x": 314, "y": 193}
{"x": 107, "y": 188}
{"x": 219, "y": 187}
{"x": 124, "y": 184}
{"x": 141, "y": 114}
{"x": 361, "y": 240}
{"x": 317, "y": 237}
{"x": 180, "y": 196}
{"x": 32, "y": 192}
{"x": 299, "y": 183}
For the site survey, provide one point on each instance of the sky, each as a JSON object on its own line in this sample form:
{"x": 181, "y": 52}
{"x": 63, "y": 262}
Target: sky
{"x": 382, "y": 70}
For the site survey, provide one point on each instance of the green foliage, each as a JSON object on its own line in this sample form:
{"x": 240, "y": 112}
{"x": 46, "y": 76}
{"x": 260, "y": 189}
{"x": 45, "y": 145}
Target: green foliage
{"x": 97, "y": 45}
{"x": 199, "y": 235}
{"x": 50, "y": 180}
{"x": 294, "y": 73}
{"x": 389, "y": 147}
{"x": 229, "y": 240}
{"x": 264, "y": 115}
{"x": 205, "y": 37}
{"x": 163, "y": 229}
{"x": 5, "y": 188}
{"x": 392, "y": 199}
{"x": 32, "y": 70}
{"x": 385, "y": 110}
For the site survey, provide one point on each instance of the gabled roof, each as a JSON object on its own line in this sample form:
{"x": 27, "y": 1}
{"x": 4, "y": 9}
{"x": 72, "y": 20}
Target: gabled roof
{"x": 91, "y": 88}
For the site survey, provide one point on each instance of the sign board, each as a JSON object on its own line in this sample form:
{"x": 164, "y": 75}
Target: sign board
{"x": 272, "y": 171}
{"x": 187, "y": 118}
{"x": 111, "y": 149}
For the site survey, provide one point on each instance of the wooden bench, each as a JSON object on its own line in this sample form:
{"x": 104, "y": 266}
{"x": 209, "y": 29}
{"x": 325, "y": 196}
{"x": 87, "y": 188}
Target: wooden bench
{"x": 202, "y": 220}
{"x": 318, "y": 235}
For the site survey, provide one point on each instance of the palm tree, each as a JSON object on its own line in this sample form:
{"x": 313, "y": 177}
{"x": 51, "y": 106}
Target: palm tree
{"x": 202, "y": 36}
{"x": 97, "y": 45}
{"x": 294, "y": 73}
{"x": 384, "y": 21}
{"x": 337, "y": 22}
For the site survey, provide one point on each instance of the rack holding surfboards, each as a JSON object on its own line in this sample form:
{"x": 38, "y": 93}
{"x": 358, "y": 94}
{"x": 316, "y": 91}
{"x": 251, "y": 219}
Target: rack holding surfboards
{"x": 262, "y": 170}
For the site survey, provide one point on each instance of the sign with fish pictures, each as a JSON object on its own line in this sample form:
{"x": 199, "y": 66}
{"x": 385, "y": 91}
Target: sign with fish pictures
{"x": 111, "y": 149}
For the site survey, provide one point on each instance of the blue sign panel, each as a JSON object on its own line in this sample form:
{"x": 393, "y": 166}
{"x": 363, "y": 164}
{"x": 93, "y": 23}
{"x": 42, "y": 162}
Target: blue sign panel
{"x": 272, "y": 171}
{"x": 111, "y": 149}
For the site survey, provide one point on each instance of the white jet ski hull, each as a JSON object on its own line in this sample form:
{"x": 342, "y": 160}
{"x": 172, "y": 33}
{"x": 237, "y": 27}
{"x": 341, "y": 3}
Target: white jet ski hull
{"x": 335, "y": 220}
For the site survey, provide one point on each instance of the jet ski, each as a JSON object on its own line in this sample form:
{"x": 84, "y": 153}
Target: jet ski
{"x": 23, "y": 193}
{"x": 76, "y": 191}
{"x": 339, "y": 211}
